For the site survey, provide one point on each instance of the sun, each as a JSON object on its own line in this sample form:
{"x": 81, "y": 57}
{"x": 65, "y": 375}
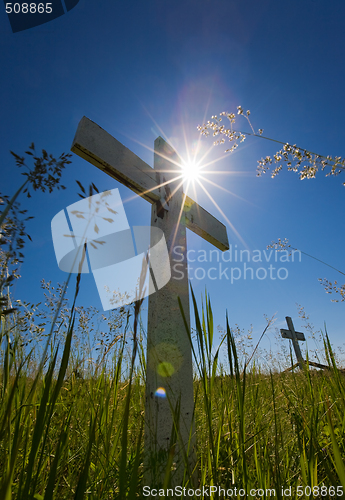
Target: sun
{"x": 190, "y": 170}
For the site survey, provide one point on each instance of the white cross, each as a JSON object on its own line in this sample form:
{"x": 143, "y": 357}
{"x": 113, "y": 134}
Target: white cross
{"x": 168, "y": 345}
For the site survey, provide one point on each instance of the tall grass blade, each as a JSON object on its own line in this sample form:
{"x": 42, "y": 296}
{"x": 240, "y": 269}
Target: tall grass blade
{"x": 82, "y": 482}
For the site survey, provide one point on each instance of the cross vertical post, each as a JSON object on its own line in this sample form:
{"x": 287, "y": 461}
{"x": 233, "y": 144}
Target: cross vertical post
{"x": 169, "y": 358}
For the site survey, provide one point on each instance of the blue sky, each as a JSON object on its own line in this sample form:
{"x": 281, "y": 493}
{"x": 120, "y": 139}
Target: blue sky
{"x": 143, "y": 69}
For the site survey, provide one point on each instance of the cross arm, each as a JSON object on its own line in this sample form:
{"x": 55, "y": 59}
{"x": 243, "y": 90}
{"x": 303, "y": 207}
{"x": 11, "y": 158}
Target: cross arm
{"x": 95, "y": 145}
{"x": 287, "y": 334}
{"x": 101, "y": 149}
{"x": 201, "y": 222}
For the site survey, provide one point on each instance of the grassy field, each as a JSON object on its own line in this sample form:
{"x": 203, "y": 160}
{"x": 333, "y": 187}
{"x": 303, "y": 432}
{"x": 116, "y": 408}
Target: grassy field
{"x": 72, "y": 427}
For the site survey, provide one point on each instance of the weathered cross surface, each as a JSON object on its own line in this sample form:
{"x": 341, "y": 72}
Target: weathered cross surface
{"x": 295, "y": 337}
{"x": 169, "y": 358}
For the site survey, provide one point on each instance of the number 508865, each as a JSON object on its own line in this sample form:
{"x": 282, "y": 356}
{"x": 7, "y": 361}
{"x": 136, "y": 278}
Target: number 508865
{"x": 321, "y": 491}
{"x": 29, "y": 8}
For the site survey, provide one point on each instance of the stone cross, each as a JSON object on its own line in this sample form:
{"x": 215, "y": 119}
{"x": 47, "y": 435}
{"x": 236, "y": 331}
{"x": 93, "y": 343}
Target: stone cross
{"x": 295, "y": 337}
{"x": 169, "y": 358}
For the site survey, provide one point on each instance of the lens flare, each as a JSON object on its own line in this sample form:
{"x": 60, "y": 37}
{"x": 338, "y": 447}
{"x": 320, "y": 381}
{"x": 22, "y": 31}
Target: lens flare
{"x": 160, "y": 392}
{"x": 190, "y": 170}
{"x": 165, "y": 369}
{"x": 165, "y": 359}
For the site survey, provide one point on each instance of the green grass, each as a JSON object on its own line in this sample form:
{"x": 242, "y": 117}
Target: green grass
{"x": 66, "y": 436}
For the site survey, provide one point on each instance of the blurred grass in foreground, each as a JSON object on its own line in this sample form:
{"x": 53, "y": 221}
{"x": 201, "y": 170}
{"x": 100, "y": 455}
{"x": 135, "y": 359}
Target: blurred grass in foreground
{"x": 68, "y": 435}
